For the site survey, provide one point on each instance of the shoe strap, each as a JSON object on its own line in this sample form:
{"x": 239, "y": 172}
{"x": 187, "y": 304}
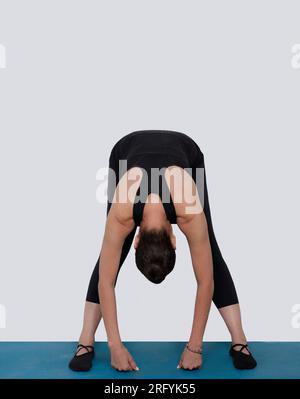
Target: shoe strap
{"x": 87, "y": 347}
{"x": 243, "y": 346}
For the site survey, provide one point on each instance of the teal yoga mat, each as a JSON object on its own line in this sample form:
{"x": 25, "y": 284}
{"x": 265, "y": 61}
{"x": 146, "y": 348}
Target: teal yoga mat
{"x": 48, "y": 360}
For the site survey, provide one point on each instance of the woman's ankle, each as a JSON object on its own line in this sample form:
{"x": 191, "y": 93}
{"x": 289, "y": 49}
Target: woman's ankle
{"x": 86, "y": 340}
{"x": 239, "y": 339}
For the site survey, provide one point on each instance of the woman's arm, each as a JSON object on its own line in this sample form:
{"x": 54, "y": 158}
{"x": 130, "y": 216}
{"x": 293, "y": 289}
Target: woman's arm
{"x": 192, "y": 222}
{"x": 195, "y": 230}
{"x": 114, "y": 236}
{"x": 119, "y": 224}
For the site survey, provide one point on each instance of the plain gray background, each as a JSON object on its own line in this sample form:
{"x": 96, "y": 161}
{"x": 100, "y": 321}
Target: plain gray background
{"x": 81, "y": 74}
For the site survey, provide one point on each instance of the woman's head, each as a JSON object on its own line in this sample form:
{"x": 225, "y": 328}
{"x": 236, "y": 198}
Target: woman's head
{"x": 155, "y": 253}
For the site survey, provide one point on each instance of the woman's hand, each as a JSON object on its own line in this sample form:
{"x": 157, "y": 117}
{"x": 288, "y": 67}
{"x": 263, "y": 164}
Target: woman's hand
{"x": 190, "y": 360}
{"x": 121, "y": 359}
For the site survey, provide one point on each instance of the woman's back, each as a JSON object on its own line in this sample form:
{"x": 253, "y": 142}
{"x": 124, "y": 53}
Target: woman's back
{"x": 153, "y": 150}
{"x": 163, "y": 143}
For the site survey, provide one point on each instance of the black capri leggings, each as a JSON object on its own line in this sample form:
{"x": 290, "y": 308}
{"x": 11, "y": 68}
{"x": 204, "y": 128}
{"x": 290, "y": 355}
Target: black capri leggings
{"x": 224, "y": 289}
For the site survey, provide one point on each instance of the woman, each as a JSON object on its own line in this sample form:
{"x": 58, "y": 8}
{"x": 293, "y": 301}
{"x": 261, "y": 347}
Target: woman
{"x": 176, "y": 154}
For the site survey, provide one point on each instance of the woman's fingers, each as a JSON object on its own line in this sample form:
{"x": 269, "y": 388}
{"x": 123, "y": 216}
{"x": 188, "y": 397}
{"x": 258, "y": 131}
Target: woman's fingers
{"x": 179, "y": 364}
{"x": 188, "y": 367}
{"x": 189, "y": 361}
{"x": 132, "y": 363}
{"x": 122, "y": 360}
{"x": 122, "y": 368}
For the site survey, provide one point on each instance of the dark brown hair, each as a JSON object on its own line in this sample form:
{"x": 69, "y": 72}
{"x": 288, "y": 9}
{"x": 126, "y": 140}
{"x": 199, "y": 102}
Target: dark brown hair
{"x": 155, "y": 256}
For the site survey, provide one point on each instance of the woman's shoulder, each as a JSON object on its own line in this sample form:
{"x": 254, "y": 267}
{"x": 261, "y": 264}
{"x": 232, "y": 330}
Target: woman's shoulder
{"x": 184, "y": 193}
{"x": 124, "y": 195}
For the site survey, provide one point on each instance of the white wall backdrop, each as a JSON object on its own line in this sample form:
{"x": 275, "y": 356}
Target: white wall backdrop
{"x": 75, "y": 76}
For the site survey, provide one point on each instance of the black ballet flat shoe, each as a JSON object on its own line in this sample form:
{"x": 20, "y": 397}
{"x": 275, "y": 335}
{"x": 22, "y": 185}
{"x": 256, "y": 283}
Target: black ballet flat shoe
{"x": 242, "y": 360}
{"x": 82, "y": 362}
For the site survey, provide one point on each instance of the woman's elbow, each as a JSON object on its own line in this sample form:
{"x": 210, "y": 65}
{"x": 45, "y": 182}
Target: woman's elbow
{"x": 105, "y": 285}
{"x": 206, "y": 283}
